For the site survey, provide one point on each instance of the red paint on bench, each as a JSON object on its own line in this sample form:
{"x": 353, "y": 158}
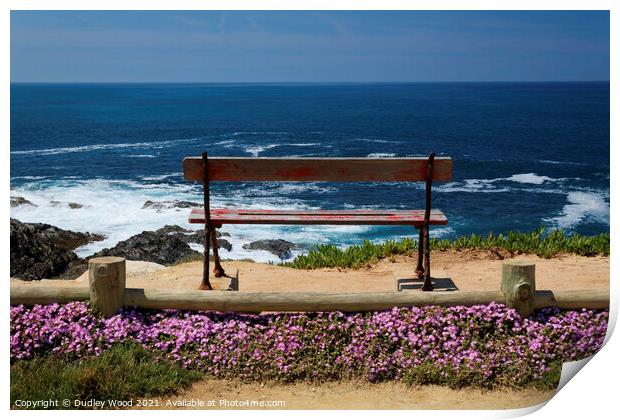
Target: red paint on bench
{"x": 406, "y": 169}
{"x": 319, "y": 217}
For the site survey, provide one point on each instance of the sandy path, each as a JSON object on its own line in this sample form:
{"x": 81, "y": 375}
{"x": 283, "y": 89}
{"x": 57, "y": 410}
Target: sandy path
{"x": 220, "y": 394}
{"x": 465, "y": 270}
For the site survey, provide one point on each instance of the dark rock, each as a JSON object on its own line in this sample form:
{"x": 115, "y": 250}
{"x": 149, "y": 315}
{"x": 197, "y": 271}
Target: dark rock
{"x": 278, "y": 247}
{"x": 66, "y": 238}
{"x": 37, "y": 252}
{"x": 196, "y": 237}
{"x": 193, "y": 237}
{"x": 172, "y": 229}
{"x": 158, "y": 205}
{"x": 61, "y": 237}
{"x": 200, "y": 233}
{"x": 223, "y": 243}
{"x": 20, "y": 201}
{"x": 74, "y": 270}
{"x": 185, "y": 204}
{"x": 153, "y": 205}
{"x": 151, "y": 246}
{"x": 55, "y": 203}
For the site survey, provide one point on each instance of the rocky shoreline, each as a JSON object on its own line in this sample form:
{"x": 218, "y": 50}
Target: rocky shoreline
{"x": 40, "y": 251}
{"x": 44, "y": 251}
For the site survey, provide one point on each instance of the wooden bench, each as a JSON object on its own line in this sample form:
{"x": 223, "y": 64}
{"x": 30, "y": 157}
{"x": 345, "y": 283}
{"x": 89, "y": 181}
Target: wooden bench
{"x": 206, "y": 169}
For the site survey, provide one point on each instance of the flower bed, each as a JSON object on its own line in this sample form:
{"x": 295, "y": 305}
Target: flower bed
{"x": 484, "y": 345}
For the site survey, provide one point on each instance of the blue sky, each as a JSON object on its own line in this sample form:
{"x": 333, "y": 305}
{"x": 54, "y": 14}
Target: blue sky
{"x": 310, "y": 46}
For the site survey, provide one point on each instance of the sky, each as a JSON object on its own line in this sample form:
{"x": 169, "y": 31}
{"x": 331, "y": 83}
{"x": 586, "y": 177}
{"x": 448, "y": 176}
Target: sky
{"x": 308, "y": 46}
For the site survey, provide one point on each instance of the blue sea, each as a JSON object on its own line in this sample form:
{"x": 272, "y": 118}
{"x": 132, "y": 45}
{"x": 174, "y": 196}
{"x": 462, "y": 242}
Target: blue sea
{"x": 525, "y": 155}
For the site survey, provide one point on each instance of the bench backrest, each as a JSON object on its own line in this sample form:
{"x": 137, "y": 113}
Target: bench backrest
{"x": 317, "y": 169}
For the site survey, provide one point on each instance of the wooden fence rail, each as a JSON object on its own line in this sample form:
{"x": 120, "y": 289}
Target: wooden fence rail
{"x": 107, "y": 291}
{"x": 304, "y": 301}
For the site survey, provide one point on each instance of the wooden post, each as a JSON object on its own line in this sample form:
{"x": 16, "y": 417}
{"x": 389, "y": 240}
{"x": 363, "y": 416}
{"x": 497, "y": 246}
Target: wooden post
{"x": 519, "y": 285}
{"x": 106, "y": 276}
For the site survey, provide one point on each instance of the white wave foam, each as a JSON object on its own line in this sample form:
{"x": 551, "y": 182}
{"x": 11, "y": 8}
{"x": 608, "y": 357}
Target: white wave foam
{"x": 201, "y": 248}
{"x": 306, "y": 187}
{"x": 93, "y": 147}
{"x": 29, "y": 178}
{"x": 582, "y": 207}
{"x": 557, "y": 162}
{"x": 471, "y": 185}
{"x": 529, "y": 178}
{"x": 378, "y": 155}
{"x": 224, "y": 143}
{"x": 434, "y": 232}
{"x": 114, "y": 208}
{"x": 375, "y": 140}
{"x": 141, "y": 156}
{"x": 161, "y": 177}
{"x": 271, "y": 189}
{"x": 111, "y": 208}
{"x": 256, "y": 150}
{"x": 490, "y": 185}
{"x": 257, "y": 133}
{"x": 349, "y": 206}
{"x": 300, "y": 155}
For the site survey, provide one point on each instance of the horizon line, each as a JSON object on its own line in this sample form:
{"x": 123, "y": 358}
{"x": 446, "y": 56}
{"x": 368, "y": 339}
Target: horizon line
{"x": 313, "y": 83}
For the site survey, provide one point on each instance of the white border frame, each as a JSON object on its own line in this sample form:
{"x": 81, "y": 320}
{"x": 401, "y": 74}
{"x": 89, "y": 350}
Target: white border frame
{"x": 592, "y": 395}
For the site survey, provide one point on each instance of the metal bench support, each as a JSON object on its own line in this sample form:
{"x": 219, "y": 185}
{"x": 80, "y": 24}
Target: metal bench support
{"x": 210, "y": 233}
{"x": 218, "y": 270}
{"x": 424, "y": 231}
{"x": 206, "y": 285}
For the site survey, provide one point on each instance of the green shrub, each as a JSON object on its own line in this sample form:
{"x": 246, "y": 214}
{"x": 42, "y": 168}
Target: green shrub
{"x": 539, "y": 242}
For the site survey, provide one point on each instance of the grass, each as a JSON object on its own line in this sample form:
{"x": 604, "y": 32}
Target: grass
{"x": 551, "y": 378}
{"x": 127, "y": 372}
{"x": 121, "y": 373}
{"x": 190, "y": 258}
{"x": 428, "y": 374}
{"x": 539, "y": 242}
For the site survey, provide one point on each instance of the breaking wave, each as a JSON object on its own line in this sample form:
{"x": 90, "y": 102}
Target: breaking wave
{"x": 95, "y": 147}
{"x": 582, "y": 207}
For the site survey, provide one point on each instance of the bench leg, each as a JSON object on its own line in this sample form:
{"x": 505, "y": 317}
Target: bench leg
{"x": 206, "y": 284}
{"x": 428, "y": 285}
{"x": 218, "y": 271}
{"x": 420, "y": 269}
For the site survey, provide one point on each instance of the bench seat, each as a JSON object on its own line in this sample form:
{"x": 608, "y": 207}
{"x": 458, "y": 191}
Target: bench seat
{"x": 318, "y": 217}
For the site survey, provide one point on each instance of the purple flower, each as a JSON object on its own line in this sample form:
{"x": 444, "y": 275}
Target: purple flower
{"x": 487, "y": 341}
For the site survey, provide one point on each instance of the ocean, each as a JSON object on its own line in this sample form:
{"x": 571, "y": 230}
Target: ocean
{"x": 525, "y": 155}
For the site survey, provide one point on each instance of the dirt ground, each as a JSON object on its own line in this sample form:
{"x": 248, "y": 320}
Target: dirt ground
{"x": 465, "y": 270}
{"x": 220, "y": 394}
